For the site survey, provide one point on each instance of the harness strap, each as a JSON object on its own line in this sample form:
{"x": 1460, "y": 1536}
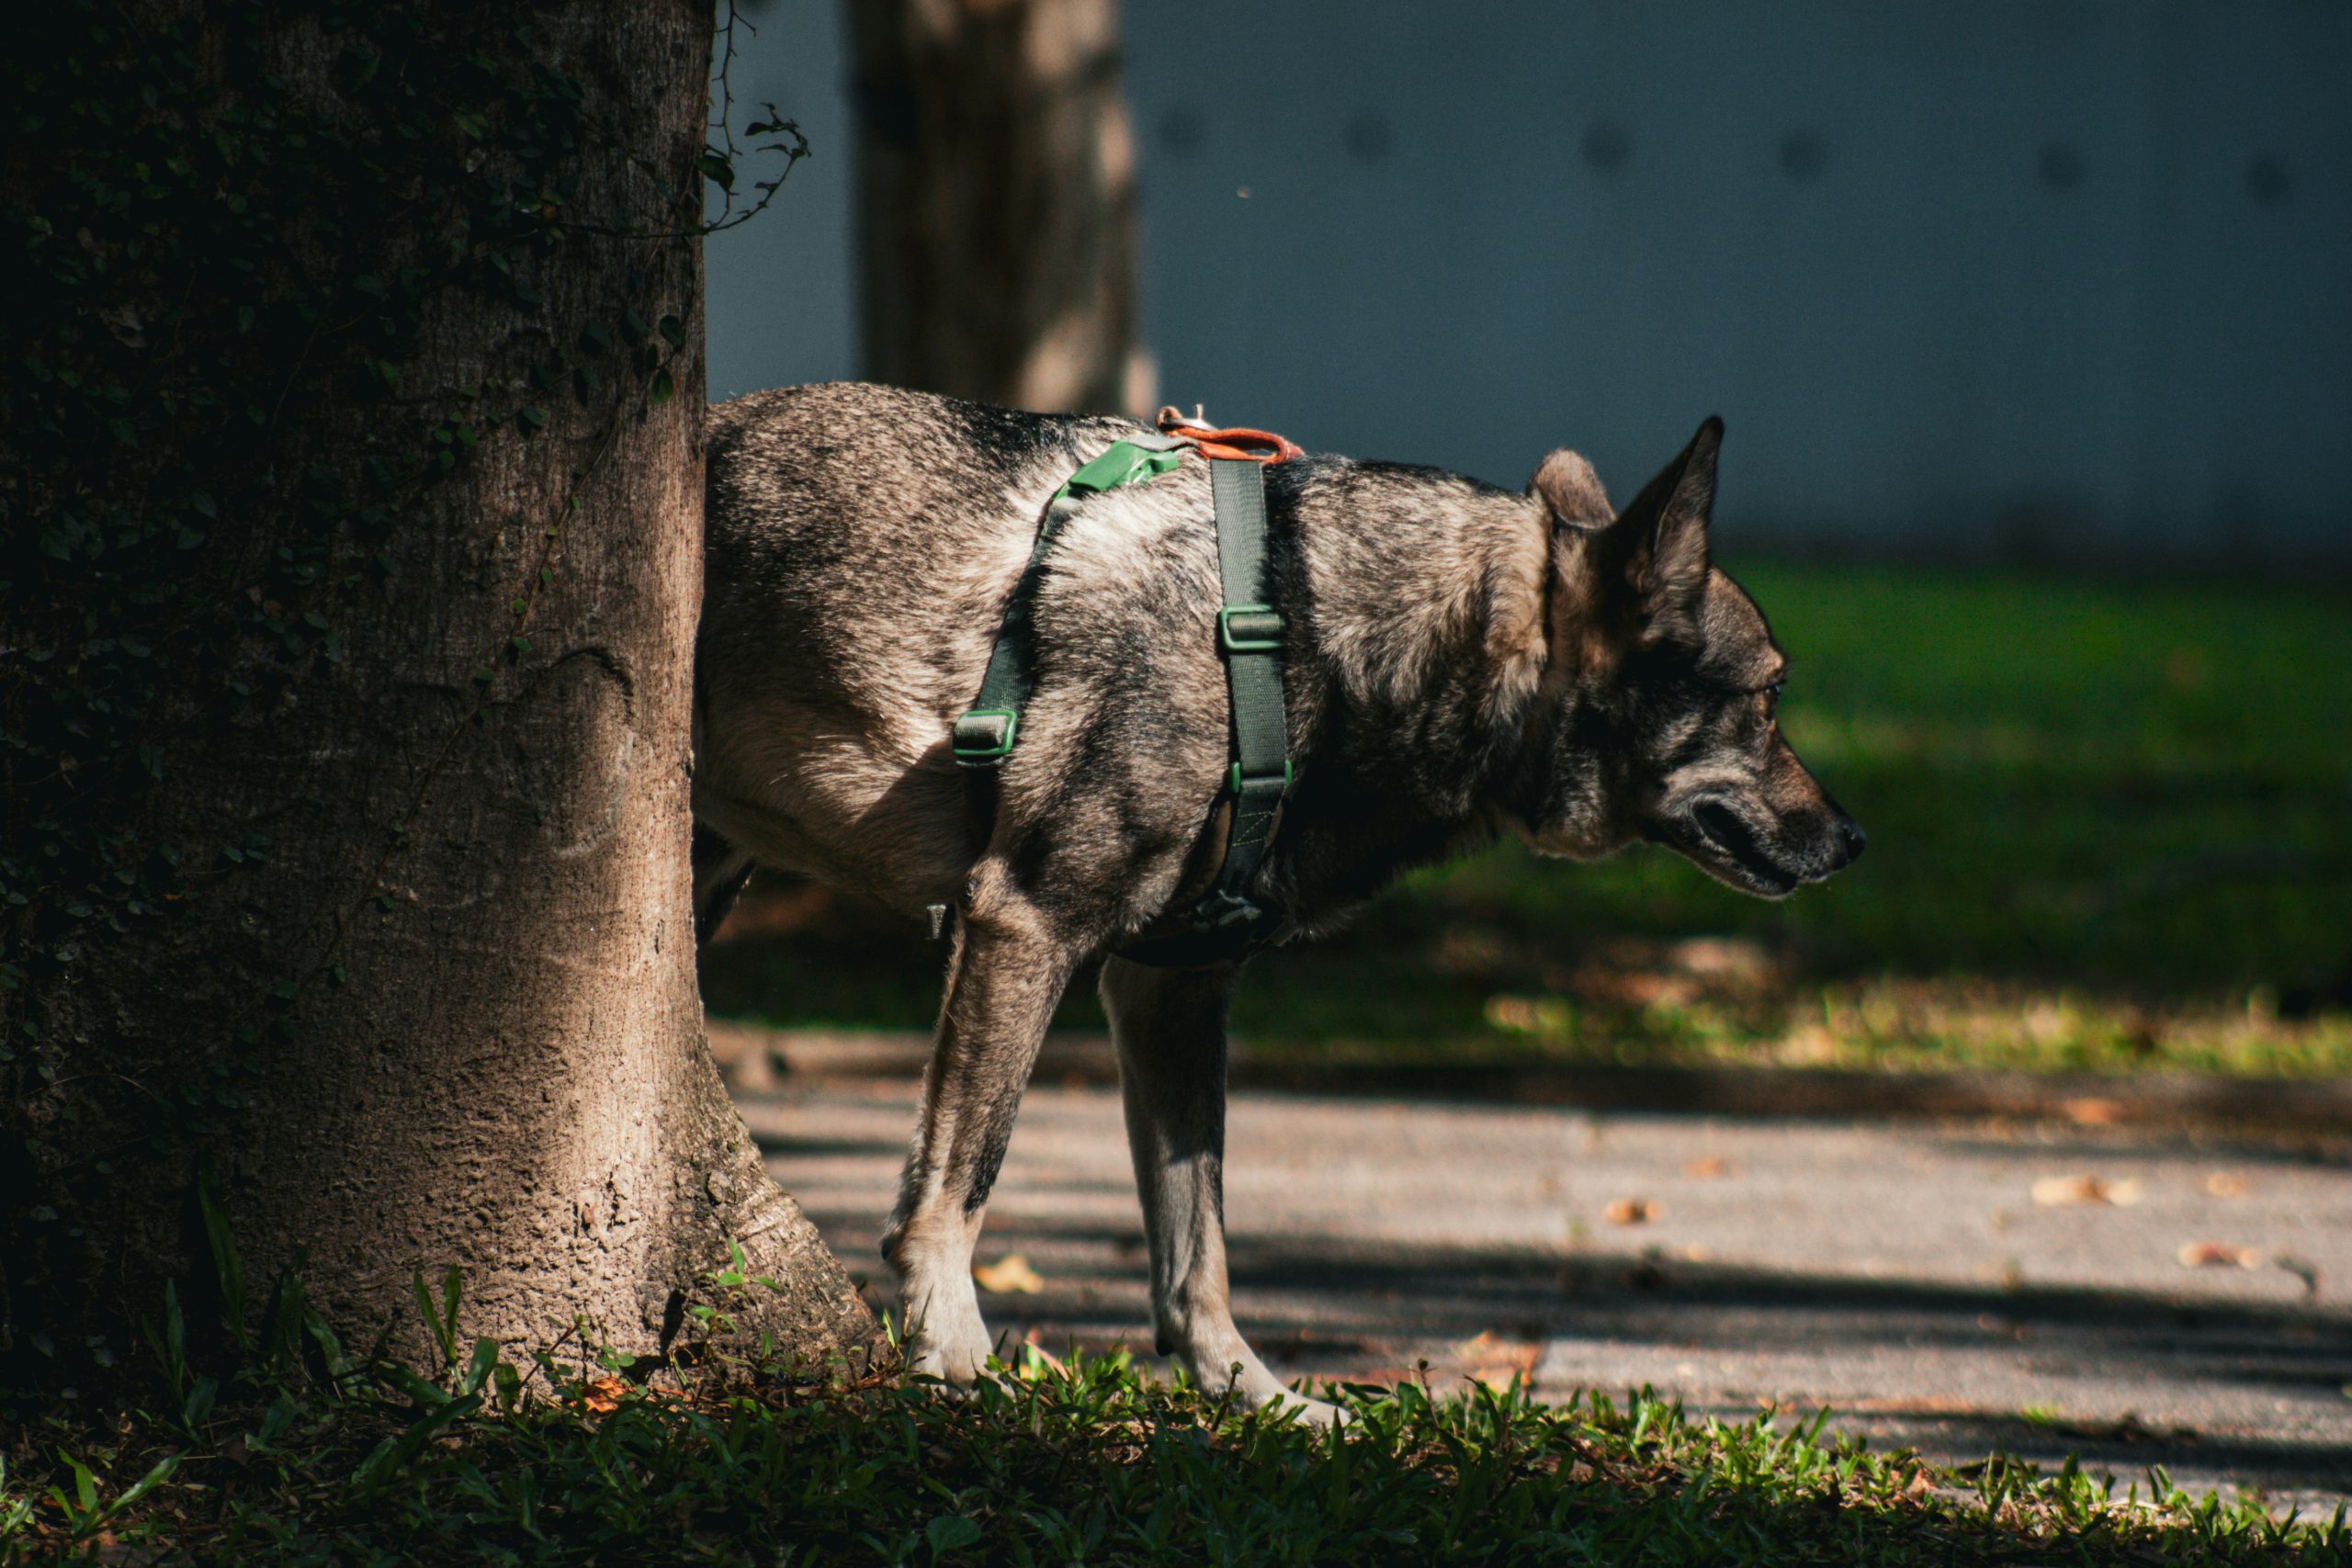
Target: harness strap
{"x": 1225, "y": 923}
{"x": 984, "y": 734}
{"x": 1249, "y": 636}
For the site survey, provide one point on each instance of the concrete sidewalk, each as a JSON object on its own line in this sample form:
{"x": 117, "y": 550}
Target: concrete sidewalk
{"x": 2139, "y": 1297}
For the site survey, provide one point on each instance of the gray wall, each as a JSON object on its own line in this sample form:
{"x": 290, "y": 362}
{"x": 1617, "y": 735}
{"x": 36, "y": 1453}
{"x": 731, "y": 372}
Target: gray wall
{"x": 2044, "y": 278}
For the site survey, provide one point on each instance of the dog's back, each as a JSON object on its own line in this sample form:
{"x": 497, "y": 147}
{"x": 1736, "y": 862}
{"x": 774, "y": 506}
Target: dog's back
{"x": 859, "y": 544}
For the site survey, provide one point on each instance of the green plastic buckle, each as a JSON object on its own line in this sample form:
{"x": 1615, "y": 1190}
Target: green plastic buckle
{"x": 1259, "y": 628}
{"x": 1233, "y": 778}
{"x": 983, "y": 737}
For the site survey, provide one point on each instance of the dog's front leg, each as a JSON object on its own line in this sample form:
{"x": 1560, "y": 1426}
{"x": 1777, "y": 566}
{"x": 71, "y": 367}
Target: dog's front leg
{"x": 1169, "y": 1025}
{"x": 1003, "y": 981}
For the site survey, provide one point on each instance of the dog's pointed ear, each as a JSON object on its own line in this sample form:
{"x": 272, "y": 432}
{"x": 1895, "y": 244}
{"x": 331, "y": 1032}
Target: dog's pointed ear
{"x": 1566, "y": 485}
{"x": 1656, "y": 552}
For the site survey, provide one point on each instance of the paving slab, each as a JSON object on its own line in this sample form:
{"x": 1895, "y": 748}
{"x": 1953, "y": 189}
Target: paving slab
{"x": 2134, "y": 1296}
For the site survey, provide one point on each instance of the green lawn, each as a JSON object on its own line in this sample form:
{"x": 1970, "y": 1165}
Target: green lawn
{"x": 1091, "y": 1462}
{"x": 2110, "y": 826}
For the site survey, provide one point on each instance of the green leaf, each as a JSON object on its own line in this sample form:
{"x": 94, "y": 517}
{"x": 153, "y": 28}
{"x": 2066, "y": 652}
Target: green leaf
{"x": 85, "y": 1486}
{"x": 174, "y": 1332}
{"x": 440, "y": 1323}
{"x": 394, "y": 1454}
{"x": 141, "y": 1487}
{"x": 665, "y": 387}
{"x": 418, "y": 1388}
{"x": 478, "y": 1370}
{"x": 453, "y": 1287}
{"x": 228, "y": 1272}
{"x": 950, "y": 1532}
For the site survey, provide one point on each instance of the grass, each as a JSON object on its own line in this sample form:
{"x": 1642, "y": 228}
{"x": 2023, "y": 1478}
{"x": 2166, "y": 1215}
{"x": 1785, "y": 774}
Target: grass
{"x": 2111, "y": 830}
{"x": 1087, "y": 1462}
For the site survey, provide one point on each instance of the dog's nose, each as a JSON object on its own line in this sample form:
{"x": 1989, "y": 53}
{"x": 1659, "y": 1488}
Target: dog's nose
{"x": 1851, "y": 841}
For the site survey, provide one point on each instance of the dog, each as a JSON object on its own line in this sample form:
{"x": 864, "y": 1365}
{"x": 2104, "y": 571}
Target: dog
{"x": 1460, "y": 662}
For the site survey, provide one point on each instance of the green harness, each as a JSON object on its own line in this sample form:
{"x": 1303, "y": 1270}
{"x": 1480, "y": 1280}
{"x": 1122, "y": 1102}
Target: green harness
{"x": 1225, "y": 923}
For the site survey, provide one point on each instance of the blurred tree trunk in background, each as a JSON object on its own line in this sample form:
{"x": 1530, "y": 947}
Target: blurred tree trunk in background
{"x": 996, "y": 206}
{"x": 353, "y": 492}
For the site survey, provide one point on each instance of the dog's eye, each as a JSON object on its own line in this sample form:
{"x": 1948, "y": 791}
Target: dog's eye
{"x": 1772, "y": 700}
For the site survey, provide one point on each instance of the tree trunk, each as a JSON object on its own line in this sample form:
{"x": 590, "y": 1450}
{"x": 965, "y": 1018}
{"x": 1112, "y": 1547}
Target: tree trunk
{"x": 384, "y": 953}
{"x": 996, "y": 208}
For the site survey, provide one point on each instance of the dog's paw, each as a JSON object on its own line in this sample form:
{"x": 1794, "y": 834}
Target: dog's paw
{"x": 961, "y": 1361}
{"x": 1307, "y": 1410}
{"x": 949, "y": 1345}
{"x": 1246, "y": 1378}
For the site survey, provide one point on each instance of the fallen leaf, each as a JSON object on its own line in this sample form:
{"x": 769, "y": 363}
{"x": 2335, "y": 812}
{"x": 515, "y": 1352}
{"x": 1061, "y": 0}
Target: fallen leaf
{"x": 1495, "y": 1360}
{"x": 1008, "y": 1275}
{"x": 1490, "y": 1345}
{"x": 2220, "y": 1255}
{"x": 2093, "y": 1113}
{"x": 1707, "y": 1167}
{"x": 2225, "y": 1184}
{"x": 603, "y": 1396}
{"x": 1719, "y": 955}
{"x": 1630, "y": 1212}
{"x": 2054, "y": 1191}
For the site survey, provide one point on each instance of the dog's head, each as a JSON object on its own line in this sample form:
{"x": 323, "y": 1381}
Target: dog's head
{"x": 1657, "y": 716}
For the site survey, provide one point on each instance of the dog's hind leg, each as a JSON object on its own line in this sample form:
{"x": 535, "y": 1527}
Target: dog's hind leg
{"x": 1006, "y": 976}
{"x": 1169, "y": 1025}
{"x": 721, "y": 871}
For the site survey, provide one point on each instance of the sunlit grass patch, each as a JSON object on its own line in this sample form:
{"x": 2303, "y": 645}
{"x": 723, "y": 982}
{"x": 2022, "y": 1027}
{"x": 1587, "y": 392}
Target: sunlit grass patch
{"x": 1468, "y": 993}
{"x": 1917, "y": 1025}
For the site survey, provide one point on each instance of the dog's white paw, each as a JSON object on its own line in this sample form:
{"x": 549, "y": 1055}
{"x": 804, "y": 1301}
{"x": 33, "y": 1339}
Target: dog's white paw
{"x": 1246, "y": 1378}
{"x": 948, "y": 1343}
{"x": 1308, "y": 1410}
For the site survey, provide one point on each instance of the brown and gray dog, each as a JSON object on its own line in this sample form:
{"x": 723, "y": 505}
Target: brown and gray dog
{"x": 1461, "y": 661}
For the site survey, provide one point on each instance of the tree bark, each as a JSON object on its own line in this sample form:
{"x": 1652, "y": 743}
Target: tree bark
{"x": 996, "y": 206}
{"x": 422, "y": 991}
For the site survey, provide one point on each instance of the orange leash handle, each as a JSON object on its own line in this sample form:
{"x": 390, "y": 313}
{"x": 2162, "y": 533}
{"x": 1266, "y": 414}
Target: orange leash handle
{"x": 1237, "y": 443}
